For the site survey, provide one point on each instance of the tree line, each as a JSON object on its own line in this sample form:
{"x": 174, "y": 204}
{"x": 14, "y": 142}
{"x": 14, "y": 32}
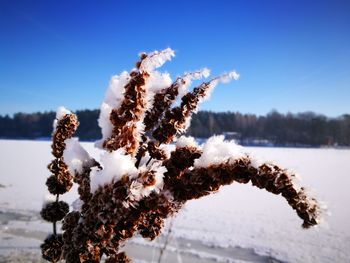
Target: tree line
{"x": 301, "y": 129}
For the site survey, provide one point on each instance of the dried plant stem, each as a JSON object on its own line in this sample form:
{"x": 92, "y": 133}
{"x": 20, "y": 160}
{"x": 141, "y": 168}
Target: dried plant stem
{"x": 175, "y": 119}
{"x": 127, "y": 194}
{"x": 199, "y": 182}
{"x": 149, "y": 160}
{"x": 55, "y": 222}
{"x": 54, "y": 228}
{"x": 126, "y": 117}
{"x": 59, "y": 183}
{"x": 167, "y": 238}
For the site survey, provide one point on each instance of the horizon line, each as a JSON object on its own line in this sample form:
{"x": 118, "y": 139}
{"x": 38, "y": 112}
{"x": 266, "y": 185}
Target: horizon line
{"x": 11, "y": 115}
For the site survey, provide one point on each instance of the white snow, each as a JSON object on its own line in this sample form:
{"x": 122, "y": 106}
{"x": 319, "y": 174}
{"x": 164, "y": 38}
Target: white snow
{"x": 238, "y": 215}
{"x": 61, "y": 112}
{"x": 156, "y": 59}
{"x": 113, "y": 99}
{"x": 256, "y": 161}
{"x": 185, "y": 81}
{"x": 157, "y": 81}
{"x": 115, "y": 93}
{"x": 226, "y": 78}
{"x": 249, "y": 217}
{"x": 167, "y": 148}
{"x": 186, "y": 141}
{"x": 115, "y": 165}
{"x": 216, "y": 150}
{"x": 138, "y": 191}
{"x": 75, "y": 156}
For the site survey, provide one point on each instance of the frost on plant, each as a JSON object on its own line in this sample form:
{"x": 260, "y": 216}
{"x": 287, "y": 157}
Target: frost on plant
{"x": 141, "y": 178}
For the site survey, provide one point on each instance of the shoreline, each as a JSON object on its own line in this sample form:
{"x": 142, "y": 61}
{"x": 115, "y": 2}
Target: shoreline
{"x": 200, "y": 140}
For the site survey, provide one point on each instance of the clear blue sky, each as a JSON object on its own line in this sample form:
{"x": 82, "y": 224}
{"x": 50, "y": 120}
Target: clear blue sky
{"x": 292, "y": 55}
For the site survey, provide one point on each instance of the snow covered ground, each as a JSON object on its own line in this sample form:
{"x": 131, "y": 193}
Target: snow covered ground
{"x": 237, "y": 224}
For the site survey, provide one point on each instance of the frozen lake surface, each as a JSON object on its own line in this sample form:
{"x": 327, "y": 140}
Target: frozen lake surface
{"x": 237, "y": 224}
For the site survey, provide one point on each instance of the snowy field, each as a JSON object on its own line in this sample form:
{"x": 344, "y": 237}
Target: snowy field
{"x": 238, "y": 224}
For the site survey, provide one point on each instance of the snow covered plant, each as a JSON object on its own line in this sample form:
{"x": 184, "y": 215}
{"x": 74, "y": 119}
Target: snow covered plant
{"x": 142, "y": 178}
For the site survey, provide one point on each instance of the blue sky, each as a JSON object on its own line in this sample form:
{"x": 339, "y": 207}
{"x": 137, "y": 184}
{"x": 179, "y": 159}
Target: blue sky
{"x": 291, "y": 55}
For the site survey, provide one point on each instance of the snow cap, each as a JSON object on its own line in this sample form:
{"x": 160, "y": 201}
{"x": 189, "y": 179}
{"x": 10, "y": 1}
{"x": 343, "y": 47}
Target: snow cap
{"x": 75, "y": 156}
{"x": 61, "y": 112}
{"x": 115, "y": 165}
{"x": 156, "y": 59}
{"x": 186, "y": 141}
{"x": 216, "y": 151}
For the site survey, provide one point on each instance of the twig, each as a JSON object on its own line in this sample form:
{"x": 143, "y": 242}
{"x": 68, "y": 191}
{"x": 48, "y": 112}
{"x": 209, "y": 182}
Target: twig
{"x": 149, "y": 160}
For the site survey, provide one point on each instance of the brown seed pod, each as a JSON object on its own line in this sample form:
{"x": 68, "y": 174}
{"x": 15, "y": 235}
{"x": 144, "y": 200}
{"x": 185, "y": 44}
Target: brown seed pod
{"x": 54, "y": 211}
{"x": 118, "y": 258}
{"x": 51, "y": 249}
{"x": 59, "y": 183}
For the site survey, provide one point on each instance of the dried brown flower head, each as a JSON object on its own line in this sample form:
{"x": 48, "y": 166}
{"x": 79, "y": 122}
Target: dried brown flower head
{"x": 141, "y": 180}
{"x": 52, "y": 248}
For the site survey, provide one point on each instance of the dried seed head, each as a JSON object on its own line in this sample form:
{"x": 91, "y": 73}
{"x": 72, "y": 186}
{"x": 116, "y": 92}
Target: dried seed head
{"x": 166, "y": 97}
{"x": 59, "y": 183}
{"x": 51, "y": 249}
{"x": 155, "y": 152}
{"x": 54, "y": 211}
{"x": 131, "y": 195}
{"x": 118, "y": 258}
{"x": 125, "y": 118}
{"x": 176, "y": 120}
{"x": 65, "y": 129}
{"x": 201, "y": 181}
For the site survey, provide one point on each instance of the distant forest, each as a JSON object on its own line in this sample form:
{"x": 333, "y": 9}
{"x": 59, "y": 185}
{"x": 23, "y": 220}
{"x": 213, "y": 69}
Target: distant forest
{"x": 302, "y": 129}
